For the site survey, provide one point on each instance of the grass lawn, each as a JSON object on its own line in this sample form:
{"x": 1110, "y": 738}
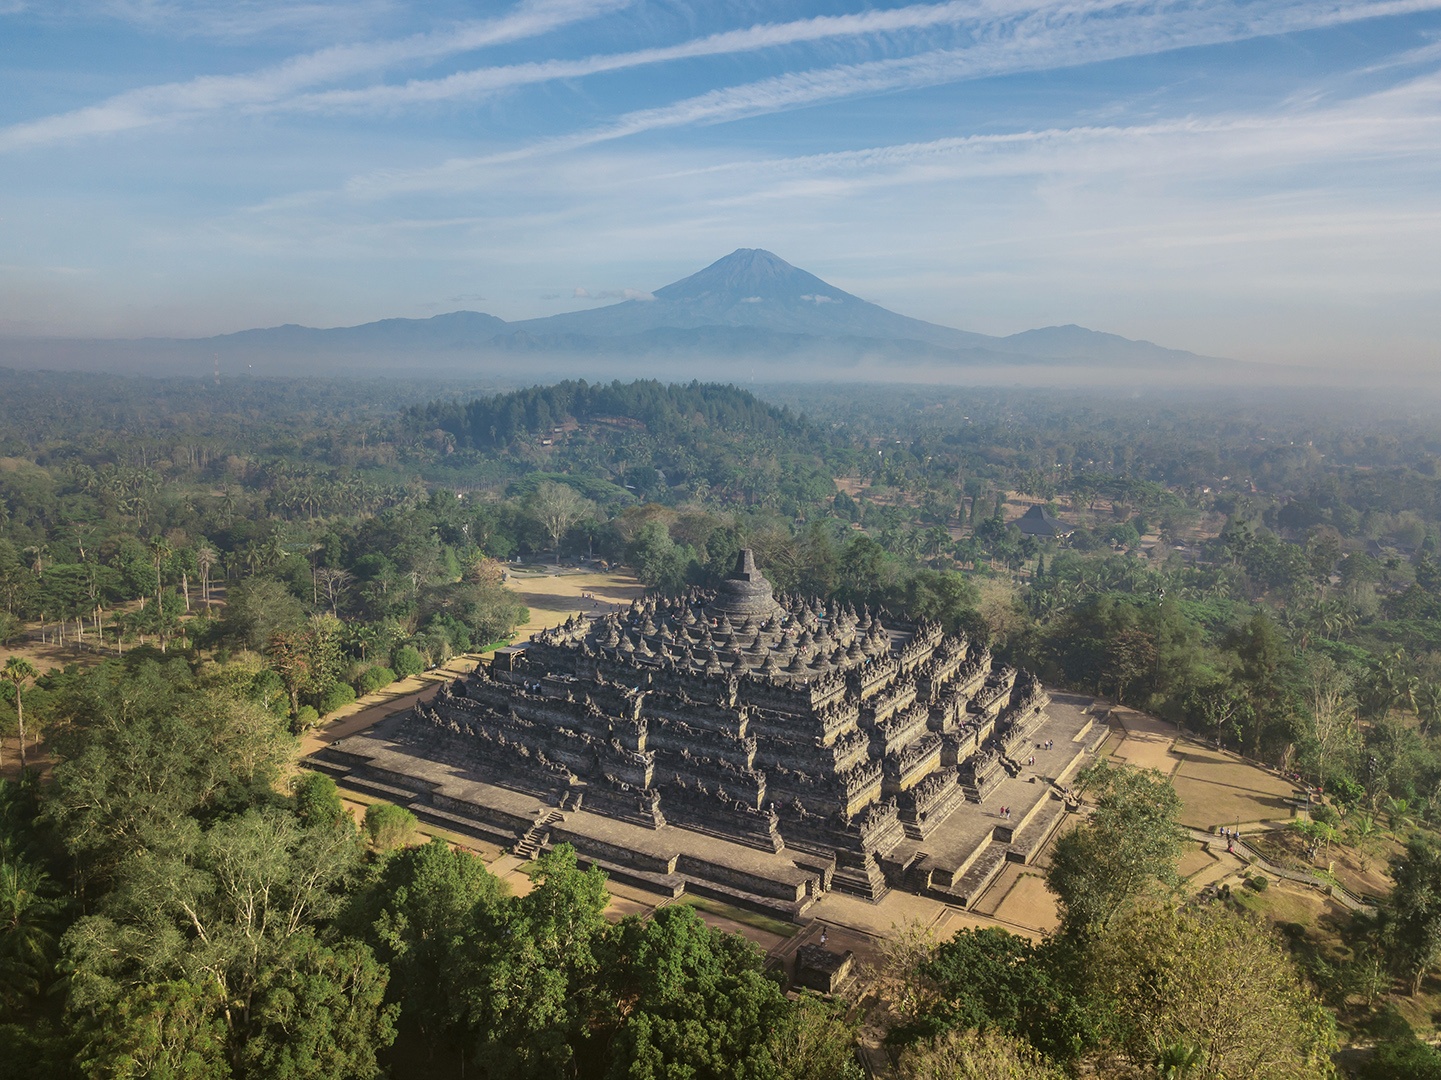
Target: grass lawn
{"x": 744, "y": 916}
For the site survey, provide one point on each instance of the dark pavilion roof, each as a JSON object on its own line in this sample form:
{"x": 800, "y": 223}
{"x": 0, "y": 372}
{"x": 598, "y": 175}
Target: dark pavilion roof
{"x": 745, "y": 591}
{"x": 1038, "y": 521}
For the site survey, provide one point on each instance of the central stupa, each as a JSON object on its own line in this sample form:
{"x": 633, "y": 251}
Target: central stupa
{"x": 745, "y": 592}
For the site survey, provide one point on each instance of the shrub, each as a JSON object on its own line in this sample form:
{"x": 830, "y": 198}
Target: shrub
{"x": 408, "y": 662}
{"x": 373, "y": 679}
{"x": 389, "y": 826}
{"x": 1258, "y": 882}
{"x": 317, "y": 799}
{"x": 306, "y": 718}
{"x": 338, "y": 695}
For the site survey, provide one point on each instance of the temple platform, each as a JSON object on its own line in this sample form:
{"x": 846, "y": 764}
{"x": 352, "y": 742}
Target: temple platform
{"x": 959, "y": 860}
{"x": 955, "y": 862}
{"x": 468, "y": 799}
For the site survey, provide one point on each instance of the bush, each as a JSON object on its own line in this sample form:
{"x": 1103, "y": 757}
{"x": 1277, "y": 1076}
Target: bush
{"x": 1402, "y": 1057}
{"x": 338, "y": 695}
{"x": 389, "y": 826}
{"x": 408, "y": 662}
{"x": 1258, "y": 882}
{"x": 373, "y": 679}
{"x": 306, "y": 718}
{"x": 267, "y": 690}
{"x": 317, "y": 799}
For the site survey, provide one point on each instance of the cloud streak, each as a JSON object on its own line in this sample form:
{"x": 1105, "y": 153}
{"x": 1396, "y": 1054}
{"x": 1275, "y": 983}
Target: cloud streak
{"x": 480, "y": 81}
{"x": 169, "y": 102}
{"x": 1041, "y": 40}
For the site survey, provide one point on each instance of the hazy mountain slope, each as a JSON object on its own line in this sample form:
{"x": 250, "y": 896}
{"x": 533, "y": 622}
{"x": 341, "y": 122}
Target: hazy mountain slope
{"x": 756, "y": 289}
{"x": 750, "y": 308}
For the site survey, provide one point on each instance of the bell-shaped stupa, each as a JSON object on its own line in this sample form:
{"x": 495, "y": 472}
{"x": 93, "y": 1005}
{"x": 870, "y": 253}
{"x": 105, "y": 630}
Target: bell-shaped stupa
{"x": 745, "y": 593}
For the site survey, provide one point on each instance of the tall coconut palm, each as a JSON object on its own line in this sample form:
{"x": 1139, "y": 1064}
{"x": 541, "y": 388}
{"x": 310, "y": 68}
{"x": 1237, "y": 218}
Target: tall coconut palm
{"x": 28, "y": 910}
{"x": 19, "y": 671}
{"x": 205, "y": 559}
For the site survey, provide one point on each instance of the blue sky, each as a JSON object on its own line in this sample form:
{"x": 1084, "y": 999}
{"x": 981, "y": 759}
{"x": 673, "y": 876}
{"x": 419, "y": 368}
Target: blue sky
{"x": 1252, "y": 179}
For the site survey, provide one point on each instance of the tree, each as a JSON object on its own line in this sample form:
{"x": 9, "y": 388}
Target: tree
{"x": 205, "y": 559}
{"x": 1213, "y": 981}
{"x": 19, "y": 671}
{"x": 975, "y": 1055}
{"x": 146, "y": 754}
{"x": 689, "y": 1000}
{"x": 317, "y": 800}
{"x": 158, "y": 1029}
{"x": 1332, "y": 719}
{"x": 426, "y": 917}
{"x": 29, "y": 910}
{"x": 389, "y": 826}
{"x": 814, "y": 1041}
{"x": 992, "y": 979}
{"x": 530, "y": 997}
{"x": 318, "y": 1014}
{"x": 557, "y": 507}
{"x": 1411, "y": 915}
{"x": 257, "y": 610}
{"x": 290, "y": 656}
{"x": 1126, "y": 851}
{"x": 227, "y": 915}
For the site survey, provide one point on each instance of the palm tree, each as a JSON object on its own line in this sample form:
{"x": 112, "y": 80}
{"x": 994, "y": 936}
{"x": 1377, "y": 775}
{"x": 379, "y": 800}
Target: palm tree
{"x": 37, "y": 555}
{"x": 1428, "y": 705}
{"x": 1177, "y": 1060}
{"x": 1363, "y": 830}
{"x": 160, "y": 552}
{"x": 19, "y": 671}
{"x": 205, "y": 559}
{"x": 1398, "y": 815}
{"x": 28, "y": 908}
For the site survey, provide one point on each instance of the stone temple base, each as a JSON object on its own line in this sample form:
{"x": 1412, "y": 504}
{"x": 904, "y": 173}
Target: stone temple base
{"x": 952, "y": 856}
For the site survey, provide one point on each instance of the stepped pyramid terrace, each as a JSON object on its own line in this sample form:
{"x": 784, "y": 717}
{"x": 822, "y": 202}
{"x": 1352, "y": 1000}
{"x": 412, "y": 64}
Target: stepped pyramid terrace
{"x": 759, "y": 748}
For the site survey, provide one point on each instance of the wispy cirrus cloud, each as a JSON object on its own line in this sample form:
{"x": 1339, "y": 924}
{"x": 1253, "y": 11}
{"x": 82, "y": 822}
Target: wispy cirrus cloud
{"x": 169, "y": 102}
{"x": 485, "y": 80}
{"x": 232, "y": 21}
{"x": 1060, "y": 36}
{"x": 1326, "y": 154}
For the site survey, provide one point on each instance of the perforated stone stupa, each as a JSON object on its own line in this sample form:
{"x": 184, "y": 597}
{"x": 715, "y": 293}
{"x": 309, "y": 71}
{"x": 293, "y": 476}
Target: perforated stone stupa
{"x": 828, "y": 736}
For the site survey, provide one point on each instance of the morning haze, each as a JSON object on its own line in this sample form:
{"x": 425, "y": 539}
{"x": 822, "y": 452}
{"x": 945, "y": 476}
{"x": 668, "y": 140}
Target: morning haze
{"x": 814, "y": 540}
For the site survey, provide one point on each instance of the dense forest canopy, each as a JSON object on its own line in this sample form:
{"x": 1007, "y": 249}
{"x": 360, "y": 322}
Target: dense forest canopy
{"x": 228, "y": 561}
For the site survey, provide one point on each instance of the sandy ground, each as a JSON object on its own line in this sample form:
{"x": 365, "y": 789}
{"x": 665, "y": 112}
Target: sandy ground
{"x": 555, "y": 595}
{"x": 1147, "y": 743}
{"x": 1019, "y": 897}
{"x": 1218, "y": 788}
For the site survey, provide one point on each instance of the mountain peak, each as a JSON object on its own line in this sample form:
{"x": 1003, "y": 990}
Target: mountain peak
{"x": 752, "y": 275}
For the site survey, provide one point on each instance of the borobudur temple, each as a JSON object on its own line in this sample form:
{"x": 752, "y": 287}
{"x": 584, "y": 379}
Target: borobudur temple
{"x": 761, "y": 748}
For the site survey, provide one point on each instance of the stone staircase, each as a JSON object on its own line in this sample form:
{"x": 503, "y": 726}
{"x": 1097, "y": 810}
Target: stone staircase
{"x": 1017, "y": 843}
{"x": 529, "y": 845}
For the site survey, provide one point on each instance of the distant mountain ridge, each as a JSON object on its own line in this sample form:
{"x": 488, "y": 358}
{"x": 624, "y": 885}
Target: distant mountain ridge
{"x": 750, "y": 305}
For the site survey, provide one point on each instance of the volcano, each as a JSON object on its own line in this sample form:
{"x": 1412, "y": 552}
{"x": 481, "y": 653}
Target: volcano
{"x": 750, "y": 306}
{"x": 758, "y": 290}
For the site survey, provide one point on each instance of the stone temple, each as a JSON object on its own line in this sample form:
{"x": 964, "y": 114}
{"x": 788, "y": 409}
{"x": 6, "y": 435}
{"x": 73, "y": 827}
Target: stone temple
{"x": 758, "y": 748}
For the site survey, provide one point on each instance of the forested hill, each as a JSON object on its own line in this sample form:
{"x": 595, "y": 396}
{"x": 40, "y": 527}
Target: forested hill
{"x": 660, "y": 409}
{"x": 648, "y": 440}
